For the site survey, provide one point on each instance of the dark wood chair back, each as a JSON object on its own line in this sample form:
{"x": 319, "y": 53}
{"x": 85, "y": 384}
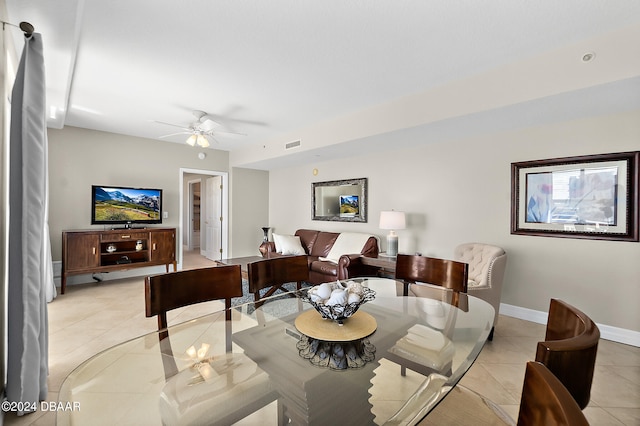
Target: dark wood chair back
{"x": 273, "y": 273}
{"x": 442, "y": 272}
{"x": 570, "y": 348}
{"x": 172, "y": 290}
{"x": 448, "y": 274}
{"x": 545, "y": 400}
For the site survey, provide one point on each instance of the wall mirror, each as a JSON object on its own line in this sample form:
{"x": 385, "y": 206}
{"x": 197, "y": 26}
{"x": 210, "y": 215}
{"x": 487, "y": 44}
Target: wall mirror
{"x": 340, "y": 200}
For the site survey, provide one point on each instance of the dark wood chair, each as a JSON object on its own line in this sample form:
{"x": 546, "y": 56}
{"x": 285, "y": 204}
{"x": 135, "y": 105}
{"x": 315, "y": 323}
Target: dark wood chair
{"x": 569, "y": 349}
{"x": 169, "y": 291}
{"x": 546, "y": 401}
{"x": 272, "y": 273}
{"x": 445, "y": 273}
{"x": 166, "y": 292}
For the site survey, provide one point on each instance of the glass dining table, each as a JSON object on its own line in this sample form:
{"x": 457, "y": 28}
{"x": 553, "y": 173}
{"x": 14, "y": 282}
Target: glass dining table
{"x": 280, "y": 362}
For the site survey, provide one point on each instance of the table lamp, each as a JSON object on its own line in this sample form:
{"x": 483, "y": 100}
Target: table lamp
{"x": 393, "y": 221}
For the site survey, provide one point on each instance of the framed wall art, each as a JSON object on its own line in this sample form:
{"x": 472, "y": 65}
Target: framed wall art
{"x": 591, "y": 196}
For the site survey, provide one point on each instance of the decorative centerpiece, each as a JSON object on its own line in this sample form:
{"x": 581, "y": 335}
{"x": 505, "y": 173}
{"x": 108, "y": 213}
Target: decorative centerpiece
{"x": 336, "y": 355}
{"x": 337, "y": 301}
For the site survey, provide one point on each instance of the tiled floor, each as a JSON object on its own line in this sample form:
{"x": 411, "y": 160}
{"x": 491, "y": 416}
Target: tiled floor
{"x": 93, "y": 317}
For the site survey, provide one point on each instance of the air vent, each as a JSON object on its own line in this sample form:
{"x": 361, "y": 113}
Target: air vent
{"x": 292, "y": 145}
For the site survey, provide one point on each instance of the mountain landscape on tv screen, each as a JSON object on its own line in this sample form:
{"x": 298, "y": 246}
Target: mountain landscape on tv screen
{"x": 118, "y": 206}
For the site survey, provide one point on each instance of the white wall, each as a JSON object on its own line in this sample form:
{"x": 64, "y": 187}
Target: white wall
{"x": 459, "y": 191}
{"x": 249, "y": 203}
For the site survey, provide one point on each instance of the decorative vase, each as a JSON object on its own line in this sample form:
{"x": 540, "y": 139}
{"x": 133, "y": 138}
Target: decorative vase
{"x": 266, "y": 234}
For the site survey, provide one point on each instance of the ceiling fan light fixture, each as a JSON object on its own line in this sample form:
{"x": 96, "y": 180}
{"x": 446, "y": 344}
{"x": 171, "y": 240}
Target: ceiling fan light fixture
{"x": 202, "y": 141}
{"x": 192, "y": 140}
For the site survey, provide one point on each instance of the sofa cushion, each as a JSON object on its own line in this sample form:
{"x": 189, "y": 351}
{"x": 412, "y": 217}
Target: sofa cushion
{"x": 323, "y": 243}
{"x": 347, "y": 243}
{"x": 307, "y": 238}
{"x": 288, "y": 244}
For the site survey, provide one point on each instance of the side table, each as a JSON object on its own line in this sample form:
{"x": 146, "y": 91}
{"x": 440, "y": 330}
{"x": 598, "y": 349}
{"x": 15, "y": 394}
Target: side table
{"x": 242, "y": 261}
{"x": 387, "y": 264}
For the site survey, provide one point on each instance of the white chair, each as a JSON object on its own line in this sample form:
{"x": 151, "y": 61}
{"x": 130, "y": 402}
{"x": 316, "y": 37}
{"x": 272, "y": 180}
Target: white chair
{"x": 486, "y": 272}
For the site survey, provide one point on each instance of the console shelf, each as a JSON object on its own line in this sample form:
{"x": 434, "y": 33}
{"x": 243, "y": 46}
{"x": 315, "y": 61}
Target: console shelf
{"x": 116, "y": 250}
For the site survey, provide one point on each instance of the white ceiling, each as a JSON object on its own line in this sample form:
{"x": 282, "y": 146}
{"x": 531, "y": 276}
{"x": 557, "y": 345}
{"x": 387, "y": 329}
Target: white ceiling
{"x": 269, "y": 69}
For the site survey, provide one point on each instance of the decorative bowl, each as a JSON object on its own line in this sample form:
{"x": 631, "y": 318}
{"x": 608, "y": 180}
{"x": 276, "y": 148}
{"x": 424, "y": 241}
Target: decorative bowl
{"x": 338, "y": 311}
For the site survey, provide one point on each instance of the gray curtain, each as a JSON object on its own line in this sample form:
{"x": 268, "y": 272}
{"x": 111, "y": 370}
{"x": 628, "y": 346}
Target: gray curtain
{"x": 29, "y": 266}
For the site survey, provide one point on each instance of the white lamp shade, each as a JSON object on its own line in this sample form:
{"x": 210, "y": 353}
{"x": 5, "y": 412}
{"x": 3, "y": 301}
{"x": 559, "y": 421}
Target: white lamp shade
{"x": 192, "y": 140}
{"x": 202, "y": 141}
{"x": 392, "y": 220}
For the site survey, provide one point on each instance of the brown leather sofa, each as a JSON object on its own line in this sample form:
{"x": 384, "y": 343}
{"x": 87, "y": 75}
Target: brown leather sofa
{"x": 318, "y": 244}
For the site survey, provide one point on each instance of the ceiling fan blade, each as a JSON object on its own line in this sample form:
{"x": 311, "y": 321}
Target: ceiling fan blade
{"x": 216, "y": 132}
{"x": 208, "y": 125}
{"x": 174, "y": 134}
{"x": 173, "y": 125}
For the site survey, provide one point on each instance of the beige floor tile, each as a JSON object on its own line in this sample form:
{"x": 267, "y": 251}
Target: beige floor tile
{"x": 626, "y": 416}
{"x": 479, "y": 380}
{"x": 611, "y": 353}
{"x": 598, "y": 416}
{"x": 614, "y": 387}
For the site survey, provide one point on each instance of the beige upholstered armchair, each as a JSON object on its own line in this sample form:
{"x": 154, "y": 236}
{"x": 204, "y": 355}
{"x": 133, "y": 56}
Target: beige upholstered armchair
{"x": 486, "y": 272}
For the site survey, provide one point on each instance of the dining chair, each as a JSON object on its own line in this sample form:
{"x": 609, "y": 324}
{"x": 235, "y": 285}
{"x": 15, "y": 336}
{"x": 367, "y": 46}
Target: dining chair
{"x": 487, "y": 264}
{"x": 546, "y": 401}
{"x": 569, "y": 349}
{"x": 272, "y": 274}
{"x": 450, "y": 274}
{"x": 428, "y": 348}
{"x": 182, "y": 402}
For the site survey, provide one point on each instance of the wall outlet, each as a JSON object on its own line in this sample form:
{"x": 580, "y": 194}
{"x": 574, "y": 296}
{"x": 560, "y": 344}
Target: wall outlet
{"x": 165, "y": 215}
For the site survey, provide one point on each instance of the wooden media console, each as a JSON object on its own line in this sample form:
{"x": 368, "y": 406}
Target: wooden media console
{"x": 116, "y": 250}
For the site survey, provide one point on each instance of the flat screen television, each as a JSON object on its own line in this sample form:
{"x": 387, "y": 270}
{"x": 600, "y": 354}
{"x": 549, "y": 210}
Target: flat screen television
{"x": 121, "y": 205}
{"x": 349, "y": 205}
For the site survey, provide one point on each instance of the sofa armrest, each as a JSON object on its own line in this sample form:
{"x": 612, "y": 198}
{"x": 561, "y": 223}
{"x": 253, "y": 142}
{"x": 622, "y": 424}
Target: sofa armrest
{"x": 351, "y": 266}
{"x": 370, "y": 249}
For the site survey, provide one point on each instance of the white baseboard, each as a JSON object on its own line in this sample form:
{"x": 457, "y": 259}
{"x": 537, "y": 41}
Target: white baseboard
{"x": 607, "y": 332}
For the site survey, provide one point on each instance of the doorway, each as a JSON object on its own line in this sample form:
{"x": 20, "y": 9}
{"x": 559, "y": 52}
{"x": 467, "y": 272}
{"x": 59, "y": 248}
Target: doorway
{"x": 194, "y": 218}
{"x": 212, "y": 207}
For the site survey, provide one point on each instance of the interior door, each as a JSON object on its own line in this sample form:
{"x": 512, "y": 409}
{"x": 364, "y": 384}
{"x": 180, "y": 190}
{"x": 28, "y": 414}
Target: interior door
{"x": 213, "y": 218}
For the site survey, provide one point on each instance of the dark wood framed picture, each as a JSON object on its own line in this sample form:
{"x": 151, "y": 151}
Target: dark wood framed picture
{"x": 590, "y": 196}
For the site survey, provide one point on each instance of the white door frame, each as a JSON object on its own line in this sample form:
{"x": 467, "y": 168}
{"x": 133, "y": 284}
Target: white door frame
{"x": 224, "y": 209}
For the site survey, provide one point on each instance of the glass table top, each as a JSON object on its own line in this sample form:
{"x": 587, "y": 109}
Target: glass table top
{"x": 260, "y": 368}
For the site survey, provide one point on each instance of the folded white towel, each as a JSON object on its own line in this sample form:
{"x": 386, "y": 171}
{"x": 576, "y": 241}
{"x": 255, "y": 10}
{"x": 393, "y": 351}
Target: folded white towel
{"x": 427, "y": 338}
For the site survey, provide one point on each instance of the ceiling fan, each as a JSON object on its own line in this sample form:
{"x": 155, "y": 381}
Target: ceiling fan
{"x": 199, "y": 130}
